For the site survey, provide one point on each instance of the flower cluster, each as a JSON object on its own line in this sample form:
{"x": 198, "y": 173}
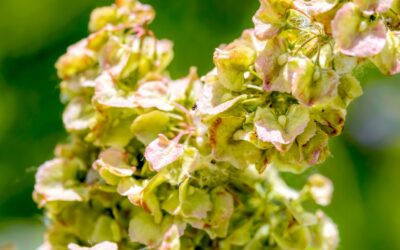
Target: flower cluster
{"x": 213, "y": 207}
{"x": 157, "y": 163}
{"x": 281, "y": 90}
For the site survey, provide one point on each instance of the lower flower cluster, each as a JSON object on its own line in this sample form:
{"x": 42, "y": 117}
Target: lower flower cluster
{"x": 192, "y": 202}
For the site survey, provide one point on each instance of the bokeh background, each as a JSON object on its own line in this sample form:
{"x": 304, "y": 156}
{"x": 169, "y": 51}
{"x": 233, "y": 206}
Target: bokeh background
{"x": 366, "y": 163}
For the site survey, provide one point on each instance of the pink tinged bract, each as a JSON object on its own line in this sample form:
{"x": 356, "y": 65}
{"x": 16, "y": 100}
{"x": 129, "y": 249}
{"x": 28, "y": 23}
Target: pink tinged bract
{"x": 269, "y": 18}
{"x": 75, "y": 61}
{"x": 107, "y": 94}
{"x": 211, "y": 100}
{"x": 264, "y": 31}
{"x": 311, "y": 84}
{"x": 269, "y": 65}
{"x": 355, "y": 35}
{"x": 320, "y": 189}
{"x": 78, "y": 115}
{"x": 153, "y": 95}
{"x": 162, "y": 152}
{"x": 315, "y": 7}
{"x": 55, "y": 181}
{"x": 115, "y": 161}
{"x": 271, "y": 128}
{"x": 377, "y": 6}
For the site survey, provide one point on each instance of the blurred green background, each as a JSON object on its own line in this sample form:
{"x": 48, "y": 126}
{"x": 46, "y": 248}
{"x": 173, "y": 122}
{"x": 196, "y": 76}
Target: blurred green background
{"x": 366, "y": 163}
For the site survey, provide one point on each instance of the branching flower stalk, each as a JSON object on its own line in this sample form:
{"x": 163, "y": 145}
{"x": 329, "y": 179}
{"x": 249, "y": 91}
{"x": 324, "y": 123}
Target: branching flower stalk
{"x": 157, "y": 163}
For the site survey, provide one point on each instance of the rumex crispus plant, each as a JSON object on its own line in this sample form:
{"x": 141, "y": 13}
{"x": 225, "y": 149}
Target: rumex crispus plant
{"x": 193, "y": 163}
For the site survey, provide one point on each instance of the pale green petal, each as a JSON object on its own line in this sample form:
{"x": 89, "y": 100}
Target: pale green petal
{"x": 102, "y": 17}
{"x": 153, "y": 94}
{"x": 143, "y": 229}
{"x": 308, "y": 133}
{"x": 270, "y": 65}
{"x": 344, "y": 64}
{"x": 222, "y": 210}
{"x": 270, "y": 17}
{"x": 294, "y": 238}
{"x": 107, "y": 93}
{"x": 186, "y": 90}
{"x": 194, "y": 202}
{"x": 241, "y": 236}
{"x": 300, "y": 157}
{"x": 77, "y": 59}
{"x": 148, "y": 126}
{"x": 151, "y": 203}
{"x": 232, "y": 62}
{"x": 388, "y": 61}
{"x": 79, "y": 116}
{"x": 300, "y": 71}
{"x": 318, "y": 90}
{"x": 316, "y": 150}
{"x": 146, "y": 56}
{"x": 310, "y": 84}
{"x": 171, "y": 203}
{"x": 56, "y": 180}
{"x": 128, "y": 186}
{"x": 112, "y": 127}
{"x": 133, "y": 13}
{"x": 320, "y": 188}
{"x": 215, "y": 99}
{"x": 348, "y": 90}
{"x": 240, "y": 154}
{"x": 105, "y": 229}
{"x": 171, "y": 239}
{"x": 249, "y": 135}
{"x": 116, "y": 160}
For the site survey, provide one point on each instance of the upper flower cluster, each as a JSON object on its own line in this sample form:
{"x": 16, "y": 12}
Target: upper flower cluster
{"x": 283, "y": 87}
{"x": 359, "y": 28}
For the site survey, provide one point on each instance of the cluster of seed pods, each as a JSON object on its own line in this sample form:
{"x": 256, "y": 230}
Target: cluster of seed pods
{"x": 157, "y": 163}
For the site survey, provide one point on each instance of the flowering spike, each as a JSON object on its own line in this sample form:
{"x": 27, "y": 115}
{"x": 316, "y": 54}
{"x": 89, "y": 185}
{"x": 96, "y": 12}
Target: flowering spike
{"x": 167, "y": 164}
